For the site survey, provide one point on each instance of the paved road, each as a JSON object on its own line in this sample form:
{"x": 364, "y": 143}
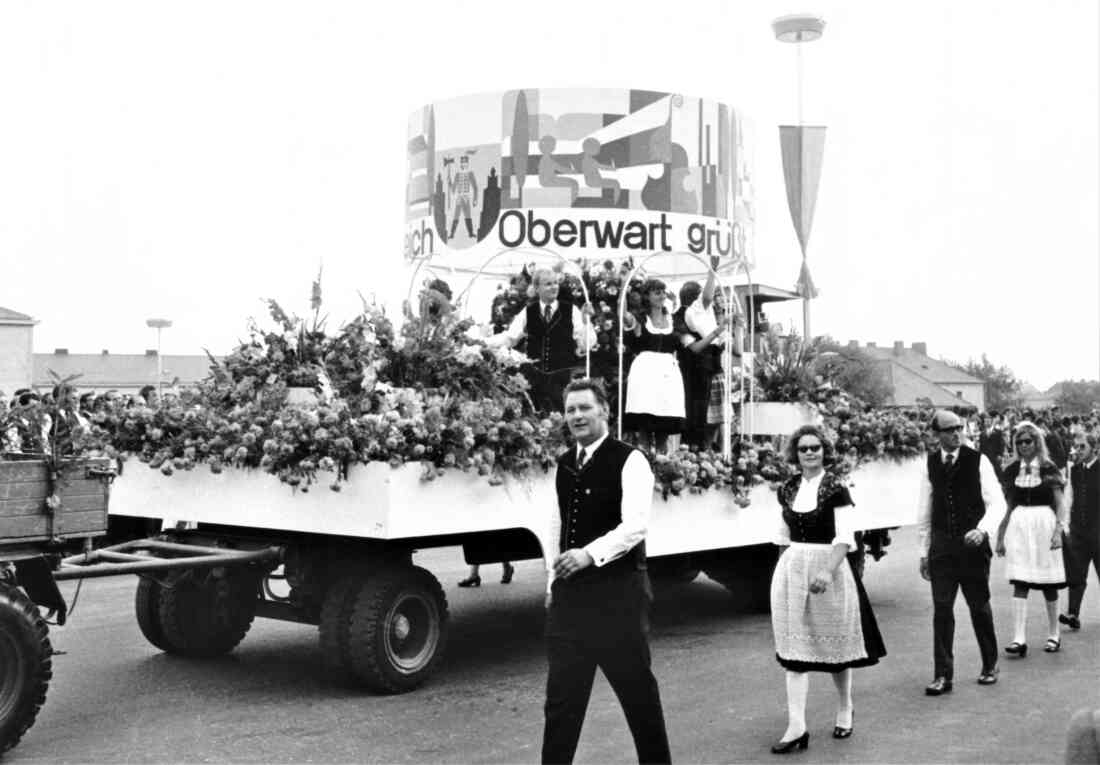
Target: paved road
{"x": 116, "y": 699}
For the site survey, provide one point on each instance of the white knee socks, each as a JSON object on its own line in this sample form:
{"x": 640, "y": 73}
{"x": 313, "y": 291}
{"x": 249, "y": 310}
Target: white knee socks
{"x": 1019, "y": 620}
{"x": 798, "y": 685}
{"x": 843, "y": 682}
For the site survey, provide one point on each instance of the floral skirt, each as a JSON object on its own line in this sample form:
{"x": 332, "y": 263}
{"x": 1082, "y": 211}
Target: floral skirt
{"x": 1029, "y": 560}
{"x": 828, "y": 631}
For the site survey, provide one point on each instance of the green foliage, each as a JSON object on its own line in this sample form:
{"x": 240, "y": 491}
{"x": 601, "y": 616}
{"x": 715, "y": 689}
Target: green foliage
{"x": 1002, "y": 389}
{"x": 1078, "y": 396}
{"x": 854, "y": 371}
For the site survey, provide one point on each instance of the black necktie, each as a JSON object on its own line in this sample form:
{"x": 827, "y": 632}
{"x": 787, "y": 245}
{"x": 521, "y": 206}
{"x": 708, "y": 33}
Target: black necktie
{"x": 948, "y": 460}
{"x": 581, "y": 458}
{"x": 546, "y": 314}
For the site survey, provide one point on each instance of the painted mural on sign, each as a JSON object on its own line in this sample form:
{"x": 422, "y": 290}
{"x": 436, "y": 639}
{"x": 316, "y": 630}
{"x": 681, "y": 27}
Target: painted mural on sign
{"x": 586, "y": 170}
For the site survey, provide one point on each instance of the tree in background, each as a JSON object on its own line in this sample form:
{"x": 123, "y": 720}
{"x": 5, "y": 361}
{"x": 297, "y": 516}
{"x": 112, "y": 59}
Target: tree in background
{"x": 855, "y": 371}
{"x": 1078, "y": 396}
{"x": 1002, "y": 389}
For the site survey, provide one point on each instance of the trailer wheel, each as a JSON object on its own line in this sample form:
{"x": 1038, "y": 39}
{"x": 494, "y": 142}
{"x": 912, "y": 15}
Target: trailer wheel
{"x": 25, "y": 664}
{"x": 397, "y": 629}
{"x": 202, "y": 615}
{"x": 147, "y": 610}
{"x": 333, "y": 627}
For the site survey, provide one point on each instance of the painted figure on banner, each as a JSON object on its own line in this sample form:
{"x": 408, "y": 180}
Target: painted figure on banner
{"x": 552, "y": 173}
{"x": 591, "y": 167}
{"x": 462, "y": 188}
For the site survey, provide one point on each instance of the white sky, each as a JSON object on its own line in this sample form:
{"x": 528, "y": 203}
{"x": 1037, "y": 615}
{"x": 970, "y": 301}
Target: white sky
{"x": 187, "y": 159}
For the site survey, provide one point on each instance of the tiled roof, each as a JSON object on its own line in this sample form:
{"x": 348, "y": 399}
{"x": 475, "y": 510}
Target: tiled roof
{"x": 910, "y": 386}
{"x": 123, "y": 370}
{"x": 8, "y": 315}
{"x": 923, "y": 365}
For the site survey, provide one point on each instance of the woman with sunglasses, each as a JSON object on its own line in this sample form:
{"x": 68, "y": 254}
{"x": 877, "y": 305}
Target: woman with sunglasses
{"x": 1030, "y": 535}
{"x": 821, "y": 617}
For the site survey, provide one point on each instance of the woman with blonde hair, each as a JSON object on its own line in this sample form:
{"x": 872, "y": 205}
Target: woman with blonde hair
{"x": 1030, "y": 535}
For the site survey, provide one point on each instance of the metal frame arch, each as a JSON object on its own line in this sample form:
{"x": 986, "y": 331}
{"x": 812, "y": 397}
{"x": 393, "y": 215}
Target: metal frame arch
{"x": 543, "y": 252}
{"x": 727, "y": 353}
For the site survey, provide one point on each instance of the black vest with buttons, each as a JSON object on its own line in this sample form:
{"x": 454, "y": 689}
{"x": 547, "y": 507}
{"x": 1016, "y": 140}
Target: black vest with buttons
{"x": 551, "y": 346}
{"x": 957, "y": 504}
{"x": 1085, "y": 513}
{"x": 590, "y": 503}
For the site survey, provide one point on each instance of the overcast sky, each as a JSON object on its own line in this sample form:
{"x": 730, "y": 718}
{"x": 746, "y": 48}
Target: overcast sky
{"x": 187, "y": 159}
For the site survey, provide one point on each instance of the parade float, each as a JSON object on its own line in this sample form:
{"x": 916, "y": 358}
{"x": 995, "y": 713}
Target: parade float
{"x": 297, "y": 481}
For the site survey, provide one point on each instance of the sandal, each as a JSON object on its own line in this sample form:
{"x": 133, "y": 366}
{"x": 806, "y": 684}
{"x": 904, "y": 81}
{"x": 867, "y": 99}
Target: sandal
{"x": 1053, "y": 645}
{"x": 1016, "y": 649}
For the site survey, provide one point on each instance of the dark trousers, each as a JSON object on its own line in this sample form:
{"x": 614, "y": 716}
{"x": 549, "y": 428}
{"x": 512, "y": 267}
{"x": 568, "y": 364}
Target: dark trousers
{"x": 547, "y": 387}
{"x": 1078, "y": 551}
{"x": 601, "y": 621}
{"x": 951, "y": 567}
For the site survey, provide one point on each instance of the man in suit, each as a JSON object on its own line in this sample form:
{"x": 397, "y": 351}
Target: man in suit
{"x": 1083, "y": 540}
{"x": 960, "y": 504}
{"x": 598, "y": 591}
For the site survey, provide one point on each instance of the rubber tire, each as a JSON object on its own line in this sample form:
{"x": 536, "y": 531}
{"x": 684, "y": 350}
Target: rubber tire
{"x": 26, "y": 664}
{"x": 203, "y": 616}
{"x": 333, "y": 625}
{"x": 372, "y": 616}
{"x": 147, "y": 610}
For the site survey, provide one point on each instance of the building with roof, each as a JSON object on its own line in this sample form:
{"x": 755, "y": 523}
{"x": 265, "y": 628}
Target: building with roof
{"x": 1033, "y": 398}
{"x": 123, "y": 372}
{"x": 16, "y": 344}
{"x": 920, "y": 379}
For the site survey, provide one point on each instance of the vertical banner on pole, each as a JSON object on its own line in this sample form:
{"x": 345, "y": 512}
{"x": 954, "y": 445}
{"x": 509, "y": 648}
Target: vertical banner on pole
{"x": 803, "y": 149}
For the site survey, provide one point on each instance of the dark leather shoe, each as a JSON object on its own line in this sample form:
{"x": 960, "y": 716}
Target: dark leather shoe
{"x": 470, "y": 581}
{"x": 509, "y": 571}
{"x": 1016, "y": 649}
{"x": 1071, "y": 621}
{"x": 938, "y": 687}
{"x": 988, "y": 676}
{"x": 786, "y": 747}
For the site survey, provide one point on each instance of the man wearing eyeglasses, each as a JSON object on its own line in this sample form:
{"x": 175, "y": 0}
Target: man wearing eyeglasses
{"x": 960, "y": 505}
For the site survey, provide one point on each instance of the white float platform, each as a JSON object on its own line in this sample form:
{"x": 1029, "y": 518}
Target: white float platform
{"x": 380, "y": 502}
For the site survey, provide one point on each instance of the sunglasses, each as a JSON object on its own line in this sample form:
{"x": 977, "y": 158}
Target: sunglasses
{"x": 1024, "y": 441}
{"x": 812, "y": 448}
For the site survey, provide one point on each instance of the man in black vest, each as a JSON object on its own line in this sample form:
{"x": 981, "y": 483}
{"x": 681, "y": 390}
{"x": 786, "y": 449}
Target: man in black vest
{"x": 960, "y": 504}
{"x": 1083, "y": 540}
{"x": 598, "y": 591}
{"x": 555, "y": 332}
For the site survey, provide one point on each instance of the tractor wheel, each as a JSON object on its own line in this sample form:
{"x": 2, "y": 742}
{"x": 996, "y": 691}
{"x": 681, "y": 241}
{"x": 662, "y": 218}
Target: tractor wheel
{"x": 26, "y": 661}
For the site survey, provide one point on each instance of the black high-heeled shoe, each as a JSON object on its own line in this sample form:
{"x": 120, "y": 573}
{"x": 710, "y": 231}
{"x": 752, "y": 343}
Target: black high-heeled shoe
{"x": 839, "y": 732}
{"x": 786, "y": 747}
{"x": 509, "y": 570}
{"x": 1016, "y": 649}
{"x": 470, "y": 581}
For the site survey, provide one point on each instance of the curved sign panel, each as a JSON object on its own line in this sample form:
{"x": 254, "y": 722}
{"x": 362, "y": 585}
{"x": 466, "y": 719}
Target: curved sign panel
{"x": 585, "y": 172}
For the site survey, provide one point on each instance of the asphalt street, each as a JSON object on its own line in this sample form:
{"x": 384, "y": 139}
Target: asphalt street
{"x": 115, "y": 698}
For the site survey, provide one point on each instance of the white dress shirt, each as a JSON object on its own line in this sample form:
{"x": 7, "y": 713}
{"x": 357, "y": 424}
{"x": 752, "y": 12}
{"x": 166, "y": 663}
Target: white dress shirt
{"x": 702, "y": 321}
{"x": 805, "y": 501}
{"x": 637, "y": 480}
{"x": 518, "y": 328}
{"x": 992, "y": 496}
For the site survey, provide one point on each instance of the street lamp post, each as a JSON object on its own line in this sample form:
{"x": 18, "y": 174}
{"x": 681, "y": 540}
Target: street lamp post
{"x": 159, "y": 325}
{"x": 798, "y": 29}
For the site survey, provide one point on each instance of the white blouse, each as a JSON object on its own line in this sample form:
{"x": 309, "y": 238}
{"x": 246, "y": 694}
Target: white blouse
{"x": 805, "y": 501}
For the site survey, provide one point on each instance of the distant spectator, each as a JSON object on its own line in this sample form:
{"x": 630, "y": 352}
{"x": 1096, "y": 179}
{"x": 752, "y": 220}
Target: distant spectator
{"x": 148, "y": 394}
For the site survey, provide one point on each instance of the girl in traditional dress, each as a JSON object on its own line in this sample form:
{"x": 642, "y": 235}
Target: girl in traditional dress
{"x": 654, "y": 387}
{"x": 1030, "y": 535}
{"x": 821, "y": 617}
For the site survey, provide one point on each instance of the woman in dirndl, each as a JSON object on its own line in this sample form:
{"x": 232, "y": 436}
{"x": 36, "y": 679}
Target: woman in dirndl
{"x": 821, "y": 617}
{"x": 1030, "y": 534}
{"x": 654, "y": 387}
